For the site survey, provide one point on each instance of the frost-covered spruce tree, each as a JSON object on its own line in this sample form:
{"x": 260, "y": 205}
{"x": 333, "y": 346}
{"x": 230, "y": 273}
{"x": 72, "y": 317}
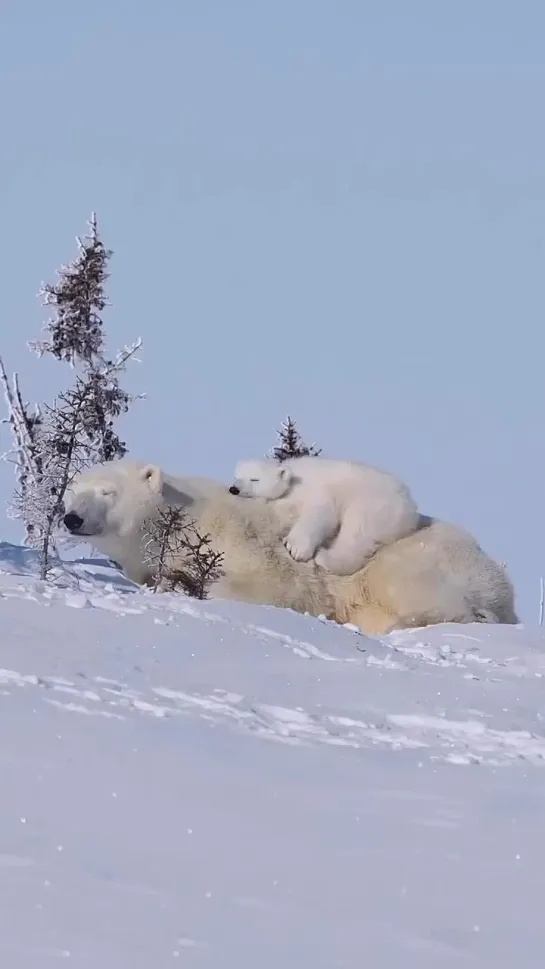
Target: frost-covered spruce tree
{"x": 290, "y": 444}
{"x": 78, "y": 429}
{"x": 168, "y": 537}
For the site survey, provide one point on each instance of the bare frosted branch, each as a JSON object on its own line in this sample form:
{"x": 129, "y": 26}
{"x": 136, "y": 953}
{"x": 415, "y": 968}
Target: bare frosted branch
{"x": 179, "y": 556}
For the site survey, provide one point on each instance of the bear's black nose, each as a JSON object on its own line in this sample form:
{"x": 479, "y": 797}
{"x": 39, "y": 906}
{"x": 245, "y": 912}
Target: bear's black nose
{"x": 234, "y": 490}
{"x": 72, "y": 521}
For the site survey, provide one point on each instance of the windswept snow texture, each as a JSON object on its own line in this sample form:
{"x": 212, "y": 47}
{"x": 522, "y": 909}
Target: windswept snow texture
{"x": 223, "y": 786}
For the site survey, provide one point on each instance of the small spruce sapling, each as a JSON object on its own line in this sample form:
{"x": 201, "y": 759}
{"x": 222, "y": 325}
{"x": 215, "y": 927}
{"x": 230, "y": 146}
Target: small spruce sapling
{"x": 77, "y": 430}
{"x": 291, "y": 445}
{"x": 163, "y": 542}
{"x": 172, "y": 537}
{"x": 203, "y": 566}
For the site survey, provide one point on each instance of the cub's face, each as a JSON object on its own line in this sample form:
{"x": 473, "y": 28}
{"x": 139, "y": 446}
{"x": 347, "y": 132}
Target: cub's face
{"x": 261, "y": 479}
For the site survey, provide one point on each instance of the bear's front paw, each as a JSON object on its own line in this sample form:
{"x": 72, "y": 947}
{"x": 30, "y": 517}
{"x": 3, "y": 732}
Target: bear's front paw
{"x": 299, "y": 547}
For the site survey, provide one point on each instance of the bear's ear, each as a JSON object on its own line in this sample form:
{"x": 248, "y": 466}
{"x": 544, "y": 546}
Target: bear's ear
{"x": 153, "y": 476}
{"x": 285, "y": 475}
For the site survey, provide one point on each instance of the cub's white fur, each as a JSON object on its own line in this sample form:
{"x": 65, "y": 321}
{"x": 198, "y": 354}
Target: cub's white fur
{"x": 345, "y": 510}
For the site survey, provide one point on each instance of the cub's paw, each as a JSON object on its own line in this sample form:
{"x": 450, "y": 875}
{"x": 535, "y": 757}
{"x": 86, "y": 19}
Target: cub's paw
{"x": 299, "y": 547}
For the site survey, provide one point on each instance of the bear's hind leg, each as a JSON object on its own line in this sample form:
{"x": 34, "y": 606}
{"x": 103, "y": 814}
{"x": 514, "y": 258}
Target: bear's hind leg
{"x": 372, "y": 619}
{"x": 349, "y": 551}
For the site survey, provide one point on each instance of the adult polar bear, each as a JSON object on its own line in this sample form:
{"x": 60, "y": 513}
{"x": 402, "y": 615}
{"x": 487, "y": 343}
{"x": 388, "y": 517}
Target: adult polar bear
{"x": 437, "y": 574}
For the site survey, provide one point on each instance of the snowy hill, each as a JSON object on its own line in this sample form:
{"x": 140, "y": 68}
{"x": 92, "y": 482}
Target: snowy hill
{"x": 220, "y": 785}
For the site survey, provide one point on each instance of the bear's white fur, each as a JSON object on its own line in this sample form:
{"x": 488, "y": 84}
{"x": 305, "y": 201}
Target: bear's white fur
{"x": 437, "y": 574}
{"x": 345, "y": 510}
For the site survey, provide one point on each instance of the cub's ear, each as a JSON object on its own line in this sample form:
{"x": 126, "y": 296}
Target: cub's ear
{"x": 153, "y": 476}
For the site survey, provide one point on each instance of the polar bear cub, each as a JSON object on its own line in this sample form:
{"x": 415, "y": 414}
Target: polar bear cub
{"x": 344, "y": 510}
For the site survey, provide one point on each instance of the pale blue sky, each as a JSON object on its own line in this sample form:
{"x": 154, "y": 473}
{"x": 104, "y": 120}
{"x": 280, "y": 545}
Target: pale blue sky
{"x": 334, "y": 209}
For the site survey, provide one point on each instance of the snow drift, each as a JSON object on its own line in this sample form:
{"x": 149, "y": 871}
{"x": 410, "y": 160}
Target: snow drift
{"x": 231, "y": 785}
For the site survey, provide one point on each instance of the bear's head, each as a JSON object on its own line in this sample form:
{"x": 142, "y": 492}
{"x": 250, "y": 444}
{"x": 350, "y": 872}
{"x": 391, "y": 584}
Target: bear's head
{"x": 112, "y": 499}
{"x": 261, "y": 479}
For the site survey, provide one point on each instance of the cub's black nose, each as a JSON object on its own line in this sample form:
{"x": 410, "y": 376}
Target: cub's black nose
{"x": 72, "y": 521}
{"x": 234, "y": 490}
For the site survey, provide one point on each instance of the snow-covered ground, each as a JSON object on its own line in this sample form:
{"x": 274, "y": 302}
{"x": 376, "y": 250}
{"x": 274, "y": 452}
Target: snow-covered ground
{"x": 224, "y": 786}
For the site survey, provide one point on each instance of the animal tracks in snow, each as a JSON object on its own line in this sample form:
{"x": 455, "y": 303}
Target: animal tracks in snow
{"x": 457, "y": 742}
